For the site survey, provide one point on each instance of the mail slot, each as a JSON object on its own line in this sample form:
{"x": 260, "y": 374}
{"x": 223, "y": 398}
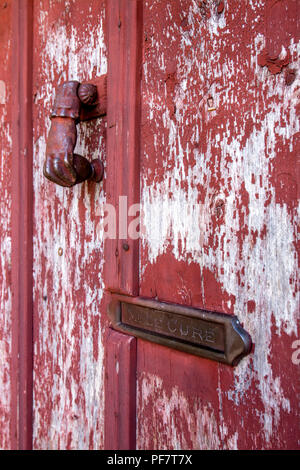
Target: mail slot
{"x": 212, "y": 335}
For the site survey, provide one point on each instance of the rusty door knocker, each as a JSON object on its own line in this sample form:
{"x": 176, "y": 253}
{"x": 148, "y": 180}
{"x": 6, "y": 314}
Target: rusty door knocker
{"x": 73, "y": 100}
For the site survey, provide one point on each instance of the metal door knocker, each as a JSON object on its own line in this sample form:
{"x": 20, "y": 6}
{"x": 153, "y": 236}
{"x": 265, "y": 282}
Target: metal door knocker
{"x": 74, "y": 102}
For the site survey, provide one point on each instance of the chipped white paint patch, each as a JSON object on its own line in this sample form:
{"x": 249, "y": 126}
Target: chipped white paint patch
{"x": 5, "y": 273}
{"x": 74, "y": 322}
{"x": 2, "y": 92}
{"x": 170, "y": 416}
{"x": 66, "y": 58}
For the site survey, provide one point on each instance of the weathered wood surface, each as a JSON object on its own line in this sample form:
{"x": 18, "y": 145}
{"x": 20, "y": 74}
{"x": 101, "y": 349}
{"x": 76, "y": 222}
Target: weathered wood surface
{"x": 120, "y": 391}
{"x": 5, "y": 226}
{"x": 220, "y": 94}
{"x": 219, "y": 187}
{"x": 69, "y": 44}
{"x": 21, "y": 224}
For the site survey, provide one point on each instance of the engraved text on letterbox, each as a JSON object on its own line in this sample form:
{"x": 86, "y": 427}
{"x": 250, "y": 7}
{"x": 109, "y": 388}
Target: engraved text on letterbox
{"x": 188, "y": 329}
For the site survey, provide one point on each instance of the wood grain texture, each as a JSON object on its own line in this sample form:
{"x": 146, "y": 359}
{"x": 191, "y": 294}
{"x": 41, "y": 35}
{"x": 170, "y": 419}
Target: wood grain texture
{"x": 70, "y": 44}
{"x": 123, "y": 137}
{"x": 219, "y": 190}
{"x": 121, "y": 266}
{"x": 5, "y": 226}
{"x": 120, "y": 392}
{"x": 22, "y": 361}
{"x": 209, "y": 144}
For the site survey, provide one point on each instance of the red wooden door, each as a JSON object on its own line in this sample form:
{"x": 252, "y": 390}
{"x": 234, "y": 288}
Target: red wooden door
{"x": 200, "y": 138}
{"x": 51, "y": 388}
{"x": 219, "y": 130}
{"x": 213, "y": 166}
{"x": 69, "y": 44}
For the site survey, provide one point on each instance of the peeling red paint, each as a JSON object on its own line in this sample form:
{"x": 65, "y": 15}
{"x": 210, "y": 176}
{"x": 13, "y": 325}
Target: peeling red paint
{"x": 274, "y": 64}
{"x": 220, "y": 132}
{"x": 68, "y": 247}
{"x": 281, "y": 18}
{"x": 250, "y": 306}
{"x": 5, "y": 228}
{"x": 221, "y": 7}
{"x": 290, "y": 76}
{"x": 220, "y": 192}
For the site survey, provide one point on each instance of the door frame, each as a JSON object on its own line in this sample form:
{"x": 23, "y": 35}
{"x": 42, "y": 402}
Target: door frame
{"x": 22, "y": 226}
{"x": 121, "y": 272}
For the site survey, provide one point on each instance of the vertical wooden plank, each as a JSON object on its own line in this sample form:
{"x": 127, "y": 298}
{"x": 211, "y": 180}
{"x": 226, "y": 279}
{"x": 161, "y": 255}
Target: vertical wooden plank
{"x": 5, "y": 225}
{"x": 123, "y": 120}
{"x": 69, "y": 44}
{"x": 121, "y": 270}
{"x": 21, "y": 371}
{"x": 120, "y": 386}
{"x": 219, "y": 173}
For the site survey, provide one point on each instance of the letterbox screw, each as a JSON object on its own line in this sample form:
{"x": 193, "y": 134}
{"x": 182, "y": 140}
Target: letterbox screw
{"x": 125, "y": 246}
